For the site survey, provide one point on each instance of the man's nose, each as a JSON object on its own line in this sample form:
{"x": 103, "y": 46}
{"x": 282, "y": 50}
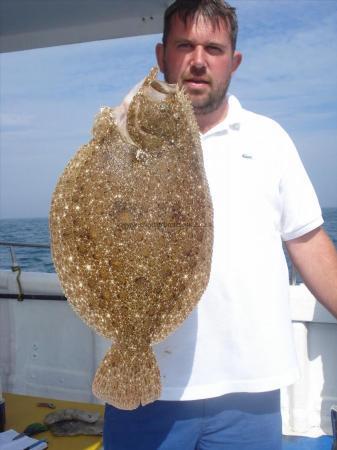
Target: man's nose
{"x": 198, "y": 60}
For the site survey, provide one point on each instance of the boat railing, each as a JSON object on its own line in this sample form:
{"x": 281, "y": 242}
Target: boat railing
{"x": 12, "y": 245}
{"x": 15, "y": 267}
{"x": 292, "y": 275}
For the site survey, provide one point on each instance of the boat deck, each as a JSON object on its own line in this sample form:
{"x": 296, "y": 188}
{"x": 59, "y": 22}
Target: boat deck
{"x": 22, "y": 410}
{"x": 304, "y": 443}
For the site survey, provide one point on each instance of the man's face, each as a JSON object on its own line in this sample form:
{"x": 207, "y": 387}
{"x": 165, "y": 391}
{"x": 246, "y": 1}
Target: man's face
{"x": 199, "y": 57}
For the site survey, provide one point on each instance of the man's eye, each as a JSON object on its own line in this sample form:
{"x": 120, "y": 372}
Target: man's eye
{"x": 213, "y": 50}
{"x": 184, "y": 45}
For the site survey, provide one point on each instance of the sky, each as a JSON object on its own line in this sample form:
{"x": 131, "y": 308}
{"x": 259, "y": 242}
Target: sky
{"x": 49, "y": 97}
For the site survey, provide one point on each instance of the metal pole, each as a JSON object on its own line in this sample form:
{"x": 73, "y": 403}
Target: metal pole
{"x": 334, "y": 426}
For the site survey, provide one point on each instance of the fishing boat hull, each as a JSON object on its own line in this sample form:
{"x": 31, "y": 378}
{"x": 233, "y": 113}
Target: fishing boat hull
{"x": 48, "y": 351}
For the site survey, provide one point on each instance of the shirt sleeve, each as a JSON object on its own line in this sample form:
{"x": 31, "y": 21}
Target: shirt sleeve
{"x": 301, "y": 212}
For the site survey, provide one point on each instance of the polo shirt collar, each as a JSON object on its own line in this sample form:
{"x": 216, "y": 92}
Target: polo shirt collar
{"x": 232, "y": 120}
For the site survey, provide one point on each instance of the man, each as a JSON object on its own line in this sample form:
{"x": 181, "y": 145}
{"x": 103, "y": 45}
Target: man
{"x": 223, "y": 368}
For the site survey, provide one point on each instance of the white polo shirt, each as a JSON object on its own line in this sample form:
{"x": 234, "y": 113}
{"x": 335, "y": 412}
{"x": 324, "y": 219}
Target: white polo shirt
{"x": 239, "y": 337}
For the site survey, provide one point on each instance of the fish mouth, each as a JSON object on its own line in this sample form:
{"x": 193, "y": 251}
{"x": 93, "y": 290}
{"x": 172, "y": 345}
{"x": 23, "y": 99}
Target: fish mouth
{"x": 163, "y": 88}
{"x": 158, "y": 90}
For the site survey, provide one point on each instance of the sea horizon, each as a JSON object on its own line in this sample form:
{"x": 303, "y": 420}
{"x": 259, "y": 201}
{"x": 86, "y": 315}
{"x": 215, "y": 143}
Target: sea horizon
{"x": 47, "y": 217}
{"x": 27, "y": 230}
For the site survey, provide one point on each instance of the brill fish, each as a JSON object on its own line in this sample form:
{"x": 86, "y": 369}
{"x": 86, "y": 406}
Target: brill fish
{"x": 131, "y": 226}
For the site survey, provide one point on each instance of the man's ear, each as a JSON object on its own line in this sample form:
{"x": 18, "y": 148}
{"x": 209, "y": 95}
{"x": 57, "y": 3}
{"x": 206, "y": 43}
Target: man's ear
{"x": 160, "y": 56}
{"x": 237, "y": 58}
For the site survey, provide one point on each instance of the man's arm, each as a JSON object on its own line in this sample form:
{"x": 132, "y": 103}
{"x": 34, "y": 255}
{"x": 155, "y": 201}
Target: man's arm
{"x": 315, "y": 258}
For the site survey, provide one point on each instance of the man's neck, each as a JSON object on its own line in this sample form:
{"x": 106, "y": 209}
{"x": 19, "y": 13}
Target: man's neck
{"x": 210, "y": 120}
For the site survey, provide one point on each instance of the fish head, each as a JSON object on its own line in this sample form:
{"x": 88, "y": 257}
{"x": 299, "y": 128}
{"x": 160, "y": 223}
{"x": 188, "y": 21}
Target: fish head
{"x": 158, "y": 114}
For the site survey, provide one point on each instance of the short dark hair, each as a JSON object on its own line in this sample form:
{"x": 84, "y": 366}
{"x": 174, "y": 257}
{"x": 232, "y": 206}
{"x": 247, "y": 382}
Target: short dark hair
{"x": 213, "y": 10}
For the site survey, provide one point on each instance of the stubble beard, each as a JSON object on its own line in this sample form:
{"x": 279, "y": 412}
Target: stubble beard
{"x": 208, "y": 104}
{"x": 213, "y": 101}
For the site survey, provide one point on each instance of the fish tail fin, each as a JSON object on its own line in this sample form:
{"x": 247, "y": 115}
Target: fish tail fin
{"x": 128, "y": 377}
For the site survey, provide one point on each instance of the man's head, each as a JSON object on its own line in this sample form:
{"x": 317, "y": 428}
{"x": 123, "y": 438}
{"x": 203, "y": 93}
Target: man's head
{"x": 198, "y": 52}
{"x": 215, "y": 11}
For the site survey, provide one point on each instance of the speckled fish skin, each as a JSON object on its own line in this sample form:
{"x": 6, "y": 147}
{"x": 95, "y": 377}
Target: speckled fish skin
{"x": 71, "y": 414}
{"x": 132, "y": 231}
{"x": 73, "y": 422}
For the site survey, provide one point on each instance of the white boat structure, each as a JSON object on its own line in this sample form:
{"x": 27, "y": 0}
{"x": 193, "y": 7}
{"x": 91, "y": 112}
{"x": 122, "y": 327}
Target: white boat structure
{"x": 46, "y": 350}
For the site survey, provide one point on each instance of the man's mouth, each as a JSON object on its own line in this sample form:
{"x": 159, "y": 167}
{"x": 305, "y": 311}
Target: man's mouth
{"x": 195, "y": 82}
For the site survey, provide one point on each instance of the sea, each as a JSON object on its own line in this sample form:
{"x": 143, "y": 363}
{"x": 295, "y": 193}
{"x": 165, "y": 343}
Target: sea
{"x": 37, "y": 231}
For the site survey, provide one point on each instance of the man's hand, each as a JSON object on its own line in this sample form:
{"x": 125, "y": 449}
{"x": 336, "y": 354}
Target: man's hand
{"x": 315, "y": 258}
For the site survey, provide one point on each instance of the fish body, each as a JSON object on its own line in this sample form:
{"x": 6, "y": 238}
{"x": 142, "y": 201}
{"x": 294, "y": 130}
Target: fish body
{"x": 132, "y": 232}
{"x": 73, "y": 422}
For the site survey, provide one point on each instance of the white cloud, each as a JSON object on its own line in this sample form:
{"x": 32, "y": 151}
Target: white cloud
{"x": 16, "y": 120}
{"x": 50, "y": 96}
{"x": 292, "y": 74}
{"x": 319, "y": 154}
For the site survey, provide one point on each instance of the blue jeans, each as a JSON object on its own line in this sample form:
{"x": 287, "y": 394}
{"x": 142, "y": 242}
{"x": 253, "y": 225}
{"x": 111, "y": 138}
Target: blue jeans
{"x": 243, "y": 421}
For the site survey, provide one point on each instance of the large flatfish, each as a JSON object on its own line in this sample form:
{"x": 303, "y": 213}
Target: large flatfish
{"x": 132, "y": 230}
